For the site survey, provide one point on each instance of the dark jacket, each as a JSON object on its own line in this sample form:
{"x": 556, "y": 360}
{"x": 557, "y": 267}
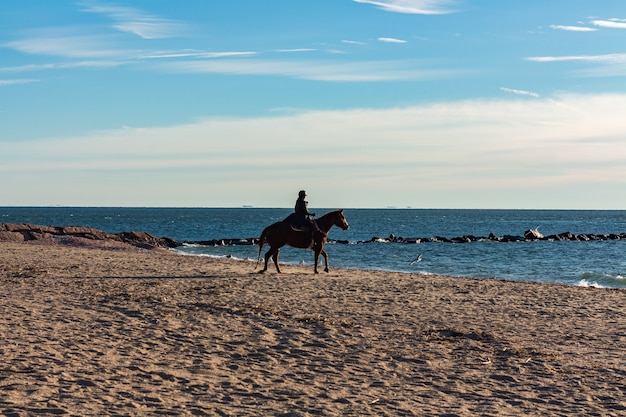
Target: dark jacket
{"x": 302, "y": 212}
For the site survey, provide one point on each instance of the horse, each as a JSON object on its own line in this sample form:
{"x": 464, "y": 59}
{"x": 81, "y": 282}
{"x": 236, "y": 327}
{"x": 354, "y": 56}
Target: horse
{"x": 282, "y": 233}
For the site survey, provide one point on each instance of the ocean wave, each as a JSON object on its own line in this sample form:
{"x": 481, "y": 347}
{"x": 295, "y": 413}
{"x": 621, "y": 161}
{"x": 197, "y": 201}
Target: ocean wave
{"x": 587, "y": 283}
{"x": 192, "y": 245}
{"x": 601, "y": 280}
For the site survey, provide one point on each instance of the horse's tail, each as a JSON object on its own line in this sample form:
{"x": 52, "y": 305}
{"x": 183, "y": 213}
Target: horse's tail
{"x": 262, "y": 240}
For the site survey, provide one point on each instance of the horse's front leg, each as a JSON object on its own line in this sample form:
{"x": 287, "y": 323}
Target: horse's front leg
{"x": 275, "y": 258}
{"x": 325, "y": 255}
{"x": 317, "y": 258}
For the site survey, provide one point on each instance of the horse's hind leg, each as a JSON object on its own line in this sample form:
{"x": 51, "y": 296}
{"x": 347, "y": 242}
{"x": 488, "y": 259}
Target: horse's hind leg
{"x": 268, "y": 254}
{"x": 275, "y": 258}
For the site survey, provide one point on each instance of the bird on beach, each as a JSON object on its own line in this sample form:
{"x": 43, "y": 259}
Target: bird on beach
{"x": 418, "y": 259}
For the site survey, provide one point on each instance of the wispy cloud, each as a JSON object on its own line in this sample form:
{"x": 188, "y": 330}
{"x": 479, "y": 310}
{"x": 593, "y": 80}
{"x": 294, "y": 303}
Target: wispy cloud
{"x": 360, "y": 71}
{"x": 188, "y": 53}
{"x": 4, "y": 83}
{"x": 413, "y": 6}
{"x": 608, "y": 65}
{"x": 103, "y": 51}
{"x": 137, "y": 22}
{"x": 519, "y": 92}
{"x": 391, "y": 40}
{"x": 611, "y": 23}
{"x": 607, "y": 58}
{"x": 353, "y": 42}
{"x": 69, "y": 65}
{"x": 573, "y": 28}
{"x": 67, "y": 42}
{"x": 194, "y": 54}
{"x": 294, "y": 50}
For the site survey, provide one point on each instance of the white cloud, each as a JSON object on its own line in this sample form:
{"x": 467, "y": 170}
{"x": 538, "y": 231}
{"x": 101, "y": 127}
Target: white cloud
{"x": 137, "y": 22}
{"x": 413, "y": 6}
{"x": 519, "y": 92}
{"x": 609, "y": 65}
{"x": 607, "y": 58}
{"x": 44, "y": 67}
{"x": 458, "y": 154}
{"x": 295, "y": 50}
{"x": 194, "y": 54}
{"x": 353, "y": 42}
{"x": 611, "y": 23}
{"x": 4, "y": 83}
{"x": 573, "y": 28}
{"x": 67, "y": 43}
{"x": 149, "y": 30}
{"x": 391, "y": 40}
{"x": 361, "y": 71}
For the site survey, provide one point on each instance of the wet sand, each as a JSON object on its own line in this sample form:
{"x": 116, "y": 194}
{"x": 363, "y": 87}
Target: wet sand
{"x": 122, "y": 331}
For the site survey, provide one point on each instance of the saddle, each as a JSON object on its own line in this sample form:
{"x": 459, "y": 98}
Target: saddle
{"x": 303, "y": 229}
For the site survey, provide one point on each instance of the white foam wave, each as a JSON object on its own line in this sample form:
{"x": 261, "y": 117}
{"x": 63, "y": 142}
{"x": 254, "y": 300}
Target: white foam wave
{"x": 192, "y": 245}
{"x": 587, "y": 283}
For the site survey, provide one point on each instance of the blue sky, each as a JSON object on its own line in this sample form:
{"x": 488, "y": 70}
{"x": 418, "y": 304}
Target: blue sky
{"x": 363, "y": 103}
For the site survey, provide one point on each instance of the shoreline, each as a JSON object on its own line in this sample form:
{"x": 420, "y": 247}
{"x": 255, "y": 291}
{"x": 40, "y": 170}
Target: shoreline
{"x": 140, "y": 332}
{"x": 599, "y": 267}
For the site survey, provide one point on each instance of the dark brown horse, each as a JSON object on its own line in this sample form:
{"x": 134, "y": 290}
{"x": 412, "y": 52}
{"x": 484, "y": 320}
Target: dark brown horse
{"x": 282, "y": 233}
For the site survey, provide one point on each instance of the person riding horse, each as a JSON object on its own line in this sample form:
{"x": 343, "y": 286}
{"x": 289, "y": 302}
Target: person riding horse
{"x": 300, "y": 219}
{"x": 302, "y": 211}
{"x": 283, "y": 233}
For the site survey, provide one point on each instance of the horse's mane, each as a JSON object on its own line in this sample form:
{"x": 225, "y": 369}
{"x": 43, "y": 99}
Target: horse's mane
{"x": 330, "y": 213}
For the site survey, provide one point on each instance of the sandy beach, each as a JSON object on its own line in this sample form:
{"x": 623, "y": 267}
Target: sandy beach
{"x": 123, "y": 331}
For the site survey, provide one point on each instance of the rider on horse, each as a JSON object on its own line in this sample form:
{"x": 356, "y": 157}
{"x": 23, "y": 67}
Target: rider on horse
{"x": 302, "y": 209}
{"x": 301, "y": 218}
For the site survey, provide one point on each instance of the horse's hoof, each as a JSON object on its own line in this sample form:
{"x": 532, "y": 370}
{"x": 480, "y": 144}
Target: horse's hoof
{"x": 262, "y": 271}
{"x": 326, "y": 270}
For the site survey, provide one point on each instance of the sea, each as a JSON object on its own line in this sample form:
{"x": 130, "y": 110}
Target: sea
{"x": 597, "y": 263}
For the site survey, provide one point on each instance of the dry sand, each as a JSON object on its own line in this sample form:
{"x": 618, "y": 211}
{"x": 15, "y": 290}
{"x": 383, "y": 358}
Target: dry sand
{"x": 93, "y": 331}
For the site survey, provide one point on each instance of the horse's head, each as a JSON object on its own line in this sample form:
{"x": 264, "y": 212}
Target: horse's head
{"x": 340, "y": 220}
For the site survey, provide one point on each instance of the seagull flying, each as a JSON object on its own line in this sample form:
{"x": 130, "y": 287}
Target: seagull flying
{"x": 418, "y": 259}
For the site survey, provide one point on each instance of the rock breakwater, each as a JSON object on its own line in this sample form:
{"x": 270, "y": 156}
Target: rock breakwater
{"x": 78, "y": 235}
{"x": 82, "y": 235}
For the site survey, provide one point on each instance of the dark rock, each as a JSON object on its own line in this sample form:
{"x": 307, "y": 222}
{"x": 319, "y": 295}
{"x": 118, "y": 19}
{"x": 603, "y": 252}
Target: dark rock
{"x": 147, "y": 241}
{"x": 511, "y": 238}
{"x": 29, "y": 232}
{"x": 86, "y": 232}
{"x": 565, "y": 236}
{"x": 533, "y": 234}
{"x": 11, "y": 236}
{"x": 412, "y": 240}
{"x": 493, "y": 237}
